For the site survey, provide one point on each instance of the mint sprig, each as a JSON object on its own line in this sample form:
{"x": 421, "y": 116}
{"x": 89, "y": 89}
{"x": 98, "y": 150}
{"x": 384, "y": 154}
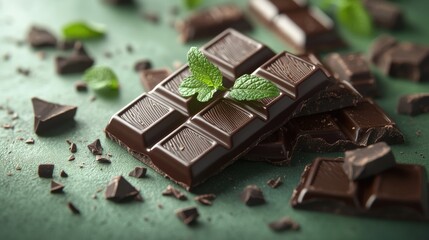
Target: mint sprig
{"x": 101, "y": 79}
{"x": 191, "y": 4}
{"x": 81, "y": 30}
{"x": 206, "y": 80}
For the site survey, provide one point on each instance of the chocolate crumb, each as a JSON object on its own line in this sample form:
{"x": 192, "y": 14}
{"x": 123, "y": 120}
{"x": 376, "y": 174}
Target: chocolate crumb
{"x": 94, "y": 196}
{"x": 18, "y": 168}
{"x": 96, "y": 147}
{"x": 171, "y": 191}
{"x": 188, "y": 215}
{"x": 56, "y": 187}
{"x": 73, "y": 147}
{"x": 143, "y": 64}
{"x": 63, "y": 174}
{"x": 160, "y": 206}
{"x": 284, "y": 224}
{"x": 9, "y": 174}
{"x": 46, "y": 170}
{"x": 92, "y": 99}
{"x": 138, "y": 172}
{"x": 205, "y": 199}
{"x": 107, "y": 54}
{"x": 29, "y": 141}
{"x": 129, "y": 48}
{"x": 73, "y": 208}
{"x": 81, "y": 86}
{"x": 15, "y": 116}
{"x": 23, "y": 71}
{"x": 252, "y": 196}
{"x": 6, "y": 57}
{"x": 274, "y": 182}
{"x": 102, "y": 159}
{"x": 66, "y": 45}
{"x": 7, "y": 126}
{"x": 174, "y": 10}
{"x": 72, "y": 157}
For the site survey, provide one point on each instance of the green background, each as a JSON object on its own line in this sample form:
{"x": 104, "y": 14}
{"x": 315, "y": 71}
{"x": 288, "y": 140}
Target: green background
{"x": 29, "y": 211}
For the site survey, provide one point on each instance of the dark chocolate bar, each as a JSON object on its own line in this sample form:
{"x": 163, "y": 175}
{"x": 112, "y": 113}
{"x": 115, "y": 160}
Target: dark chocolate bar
{"x": 190, "y": 141}
{"x": 400, "y": 192}
{"x": 354, "y": 68}
{"x": 212, "y": 21}
{"x": 304, "y": 27}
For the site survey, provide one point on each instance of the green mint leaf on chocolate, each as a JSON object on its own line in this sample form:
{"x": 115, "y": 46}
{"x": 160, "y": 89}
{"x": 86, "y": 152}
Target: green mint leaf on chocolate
{"x": 101, "y": 79}
{"x": 250, "y": 87}
{"x": 191, "y": 4}
{"x": 203, "y": 70}
{"x": 353, "y": 15}
{"x": 191, "y": 86}
{"x": 81, "y": 30}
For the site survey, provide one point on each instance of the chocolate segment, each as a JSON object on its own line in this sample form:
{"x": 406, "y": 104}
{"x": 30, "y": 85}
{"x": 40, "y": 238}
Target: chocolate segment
{"x": 39, "y": 37}
{"x": 400, "y": 192}
{"x": 190, "y": 143}
{"x": 413, "y": 104}
{"x": 384, "y": 13}
{"x": 211, "y": 21}
{"x": 151, "y": 77}
{"x": 367, "y": 162}
{"x": 77, "y": 62}
{"x": 48, "y": 115}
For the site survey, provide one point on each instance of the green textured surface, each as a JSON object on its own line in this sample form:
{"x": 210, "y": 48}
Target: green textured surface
{"x": 29, "y": 211}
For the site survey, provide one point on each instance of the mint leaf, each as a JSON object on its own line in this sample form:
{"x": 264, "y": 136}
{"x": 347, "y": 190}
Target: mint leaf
{"x": 82, "y": 30}
{"x": 353, "y": 16}
{"x": 101, "y": 79}
{"x": 250, "y": 87}
{"x": 191, "y": 86}
{"x": 191, "y": 4}
{"x": 203, "y": 70}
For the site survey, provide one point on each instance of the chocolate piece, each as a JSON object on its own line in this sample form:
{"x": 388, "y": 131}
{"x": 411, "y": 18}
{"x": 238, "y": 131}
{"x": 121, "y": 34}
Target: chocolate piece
{"x": 73, "y": 147}
{"x": 23, "y": 71}
{"x": 73, "y": 208}
{"x": 45, "y": 170}
{"x": 95, "y": 147}
{"x": 171, "y": 191}
{"x": 205, "y": 199}
{"x": 283, "y": 224}
{"x": 274, "y": 182}
{"x": 142, "y": 65}
{"x": 354, "y": 68}
{"x": 102, "y": 159}
{"x": 188, "y": 215}
{"x": 72, "y": 157}
{"x": 385, "y": 14}
{"x": 81, "y": 86}
{"x": 66, "y": 44}
{"x": 400, "y": 192}
{"x": 252, "y": 196}
{"x": 29, "y": 141}
{"x": 48, "y": 115}
{"x": 7, "y": 126}
{"x": 379, "y": 47}
{"x": 138, "y": 172}
{"x": 305, "y": 28}
{"x": 151, "y": 77}
{"x": 56, "y": 187}
{"x": 212, "y": 21}
{"x": 413, "y": 104}
{"x": 120, "y": 190}
{"x": 63, "y": 174}
{"x": 77, "y": 62}
{"x": 190, "y": 142}
{"x": 39, "y": 37}
{"x": 366, "y": 162}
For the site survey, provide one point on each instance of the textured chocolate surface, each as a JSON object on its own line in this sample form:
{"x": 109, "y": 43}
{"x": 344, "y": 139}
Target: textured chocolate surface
{"x": 398, "y": 193}
{"x": 413, "y": 104}
{"x": 211, "y": 21}
{"x": 190, "y": 141}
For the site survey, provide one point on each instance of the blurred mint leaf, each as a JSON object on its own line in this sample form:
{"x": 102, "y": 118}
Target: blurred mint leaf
{"x": 250, "y": 87}
{"x": 81, "y": 30}
{"x": 191, "y": 4}
{"x": 325, "y": 4}
{"x": 101, "y": 79}
{"x": 353, "y": 15}
{"x": 203, "y": 70}
{"x": 190, "y": 86}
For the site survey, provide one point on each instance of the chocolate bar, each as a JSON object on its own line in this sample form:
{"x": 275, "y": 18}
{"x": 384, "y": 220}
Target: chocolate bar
{"x": 354, "y": 68}
{"x": 304, "y": 27}
{"x": 211, "y": 21}
{"x": 400, "y": 192}
{"x": 189, "y": 141}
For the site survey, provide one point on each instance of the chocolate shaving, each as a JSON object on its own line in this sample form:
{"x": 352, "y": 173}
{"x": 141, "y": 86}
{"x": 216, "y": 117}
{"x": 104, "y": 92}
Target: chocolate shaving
{"x": 274, "y": 182}
{"x": 171, "y": 191}
{"x": 205, "y": 199}
{"x": 72, "y": 157}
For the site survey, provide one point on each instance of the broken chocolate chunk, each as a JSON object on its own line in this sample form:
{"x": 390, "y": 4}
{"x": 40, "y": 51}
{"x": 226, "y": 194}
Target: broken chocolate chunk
{"x": 39, "y": 37}
{"x": 48, "y": 115}
{"x": 120, "y": 190}
{"x": 171, "y": 191}
{"x": 77, "y": 62}
{"x": 72, "y": 157}
{"x": 63, "y": 174}
{"x": 274, "y": 182}
{"x": 142, "y": 65}
{"x": 138, "y": 172}
{"x": 252, "y": 196}
{"x": 283, "y": 224}
{"x": 151, "y": 77}
{"x": 205, "y": 199}
{"x": 23, "y": 71}
{"x": 45, "y": 170}
{"x": 56, "y": 187}
{"x": 73, "y": 147}
{"x": 29, "y": 141}
{"x": 96, "y": 147}
{"x": 7, "y": 126}
{"x": 413, "y": 104}
{"x": 188, "y": 215}
{"x": 81, "y": 86}
{"x": 367, "y": 162}
{"x": 73, "y": 208}
{"x": 102, "y": 159}
{"x": 385, "y": 14}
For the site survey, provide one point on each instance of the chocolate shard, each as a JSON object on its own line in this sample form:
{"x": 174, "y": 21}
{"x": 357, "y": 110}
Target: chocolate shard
{"x": 46, "y": 170}
{"x": 274, "y": 182}
{"x": 138, "y": 172}
{"x": 252, "y": 196}
{"x": 400, "y": 192}
{"x": 385, "y": 14}
{"x": 77, "y": 62}
{"x": 48, "y": 115}
{"x": 73, "y": 208}
{"x": 283, "y": 224}
{"x": 366, "y": 162}
{"x": 39, "y": 37}
{"x": 188, "y": 215}
{"x": 56, "y": 187}
{"x": 413, "y": 104}
{"x": 143, "y": 64}
{"x": 120, "y": 190}
{"x": 81, "y": 86}
{"x": 63, "y": 174}
{"x": 205, "y": 199}
{"x": 211, "y": 21}
{"x": 73, "y": 147}
{"x": 95, "y": 147}
{"x": 102, "y": 159}
{"x": 171, "y": 191}
{"x": 353, "y": 68}
{"x": 151, "y": 77}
